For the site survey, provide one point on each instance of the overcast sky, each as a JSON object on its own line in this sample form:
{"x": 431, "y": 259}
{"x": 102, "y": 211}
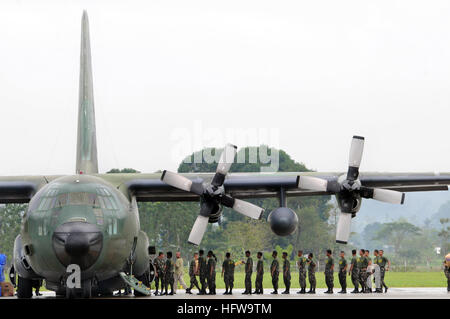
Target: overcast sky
{"x": 313, "y": 73}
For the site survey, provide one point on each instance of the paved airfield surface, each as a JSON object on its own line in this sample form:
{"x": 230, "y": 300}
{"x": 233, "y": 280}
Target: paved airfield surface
{"x": 393, "y": 293}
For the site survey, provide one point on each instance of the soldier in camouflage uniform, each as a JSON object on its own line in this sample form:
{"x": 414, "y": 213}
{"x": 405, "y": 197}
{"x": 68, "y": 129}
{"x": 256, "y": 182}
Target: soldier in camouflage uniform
{"x": 311, "y": 273}
{"x": 159, "y": 263}
{"x": 211, "y": 273}
{"x": 447, "y": 270}
{"x": 168, "y": 274}
{"x": 354, "y": 272}
{"x": 301, "y": 263}
{"x": 248, "y": 274}
{"x": 179, "y": 272}
{"x": 329, "y": 269}
{"x": 193, "y": 272}
{"x": 384, "y": 264}
{"x": 228, "y": 274}
{"x": 369, "y": 272}
{"x": 275, "y": 270}
{"x": 343, "y": 273}
{"x": 286, "y": 273}
{"x": 259, "y": 274}
{"x": 363, "y": 263}
{"x": 377, "y": 271}
{"x": 203, "y": 272}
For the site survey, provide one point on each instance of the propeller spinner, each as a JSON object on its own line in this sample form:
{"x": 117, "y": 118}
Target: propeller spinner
{"x": 348, "y": 190}
{"x": 212, "y": 195}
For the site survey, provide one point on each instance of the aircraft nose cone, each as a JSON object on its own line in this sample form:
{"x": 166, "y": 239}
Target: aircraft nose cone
{"x": 77, "y": 243}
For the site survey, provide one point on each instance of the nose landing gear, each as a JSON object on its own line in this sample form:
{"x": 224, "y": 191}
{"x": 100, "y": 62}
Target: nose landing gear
{"x": 84, "y": 292}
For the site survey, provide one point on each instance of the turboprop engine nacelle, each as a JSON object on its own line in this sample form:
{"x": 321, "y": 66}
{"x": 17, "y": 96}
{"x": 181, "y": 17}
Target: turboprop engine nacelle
{"x": 349, "y": 202}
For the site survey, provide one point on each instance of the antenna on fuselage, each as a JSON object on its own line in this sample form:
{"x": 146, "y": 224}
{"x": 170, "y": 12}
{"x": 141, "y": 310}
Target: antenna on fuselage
{"x": 86, "y": 138}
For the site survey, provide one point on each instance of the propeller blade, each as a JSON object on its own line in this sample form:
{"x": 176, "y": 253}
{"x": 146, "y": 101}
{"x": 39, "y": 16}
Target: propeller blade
{"x": 343, "y": 228}
{"x": 247, "y": 209}
{"x": 198, "y": 230}
{"x": 312, "y": 183}
{"x": 181, "y": 182}
{"x": 388, "y": 196}
{"x": 226, "y": 159}
{"x": 355, "y": 156}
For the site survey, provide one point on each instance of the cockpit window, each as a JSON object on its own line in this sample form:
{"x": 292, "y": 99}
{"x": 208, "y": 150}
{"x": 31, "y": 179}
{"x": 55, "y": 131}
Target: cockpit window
{"x": 103, "y": 199}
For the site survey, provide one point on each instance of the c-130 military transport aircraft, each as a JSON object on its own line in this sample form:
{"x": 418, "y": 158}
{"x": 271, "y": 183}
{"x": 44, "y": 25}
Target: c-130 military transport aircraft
{"x": 91, "y": 219}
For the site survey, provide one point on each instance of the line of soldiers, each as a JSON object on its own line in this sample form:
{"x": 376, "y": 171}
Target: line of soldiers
{"x": 164, "y": 274}
{"x": 361, "y": 269}
{"x": 168, "y": 273}
{"x": 206, "y": 270}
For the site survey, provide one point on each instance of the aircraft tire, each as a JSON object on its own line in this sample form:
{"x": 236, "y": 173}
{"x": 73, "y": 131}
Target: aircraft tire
{"x": 24, "y": 288}
{"x": 87, "y": 289}
{"x": 71, "y": 293}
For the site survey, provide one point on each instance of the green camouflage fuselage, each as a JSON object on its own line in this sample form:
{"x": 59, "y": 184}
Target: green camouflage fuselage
{"x": 85, "y": 200}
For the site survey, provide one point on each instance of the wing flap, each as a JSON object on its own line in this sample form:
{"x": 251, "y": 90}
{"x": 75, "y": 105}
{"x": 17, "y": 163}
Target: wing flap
{"x": 412, "y": 179}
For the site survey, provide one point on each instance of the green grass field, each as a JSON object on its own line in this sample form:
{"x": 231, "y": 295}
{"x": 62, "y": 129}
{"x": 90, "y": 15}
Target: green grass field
{"x": 392, "y": 279}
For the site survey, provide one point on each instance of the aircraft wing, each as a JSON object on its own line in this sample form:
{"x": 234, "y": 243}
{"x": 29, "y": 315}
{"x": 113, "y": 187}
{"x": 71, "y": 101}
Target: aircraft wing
{"x": 149, "y": 187}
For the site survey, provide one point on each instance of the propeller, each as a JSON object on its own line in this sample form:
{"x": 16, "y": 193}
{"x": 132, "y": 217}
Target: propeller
{"x": 212, "y": 195}
{"x": 349, "y": 189}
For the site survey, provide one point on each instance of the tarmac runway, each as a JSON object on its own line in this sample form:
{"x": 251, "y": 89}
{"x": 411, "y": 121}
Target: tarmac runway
{"x": 393, "y": 293}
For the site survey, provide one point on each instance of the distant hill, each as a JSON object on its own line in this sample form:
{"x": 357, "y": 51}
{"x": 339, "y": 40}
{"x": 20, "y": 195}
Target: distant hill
{"x": 416, "y": 209}
{"x": 443, "y": 212}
